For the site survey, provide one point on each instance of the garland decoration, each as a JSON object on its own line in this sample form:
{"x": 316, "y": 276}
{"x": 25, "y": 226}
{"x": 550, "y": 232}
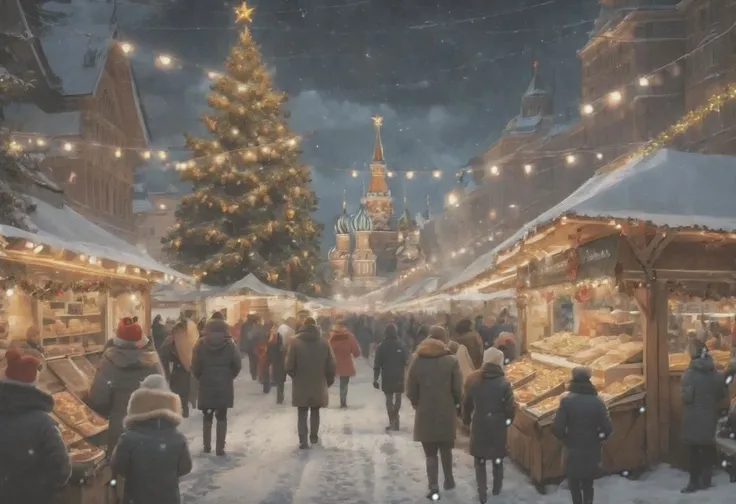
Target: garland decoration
{"x": 45, "y": 290}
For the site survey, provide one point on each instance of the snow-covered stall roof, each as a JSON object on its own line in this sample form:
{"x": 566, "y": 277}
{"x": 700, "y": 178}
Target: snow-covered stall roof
{"x": 669, "y": 189}
{"x": 172, "y": 294}
{"x": 27, "y": 117}
{"x": 64, "y": 228}
{"x": 75, "y": 39}
{"x": 252, "y": 285}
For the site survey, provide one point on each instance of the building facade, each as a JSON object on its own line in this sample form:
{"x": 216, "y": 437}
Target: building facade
{"x": 84, "y": 105}
{"x": 155, "y": 214}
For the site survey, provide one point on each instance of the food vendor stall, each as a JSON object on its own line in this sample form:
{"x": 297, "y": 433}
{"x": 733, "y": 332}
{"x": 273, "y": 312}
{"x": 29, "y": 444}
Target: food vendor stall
{"x": 674, "y": 265}
{"x": 251, "y": 296}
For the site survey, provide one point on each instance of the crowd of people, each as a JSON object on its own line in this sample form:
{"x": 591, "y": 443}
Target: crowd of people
{"x": 452, "y": 375}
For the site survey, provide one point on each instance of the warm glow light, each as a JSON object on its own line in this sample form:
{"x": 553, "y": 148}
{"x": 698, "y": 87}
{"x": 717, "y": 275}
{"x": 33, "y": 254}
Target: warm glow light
{"x": 599, "y": 155}
{"x": 38, "y": 249}
{"x": 118, "y": 153}
{"x": 528, "y": 169}
{"x": 410, "y": 175}
{"x": 390, "y": 174}
{"x": 127, "y": 47}
{"x": 213, "y": 75}
{"x": 68, "y": 147}
{"x": 614, "y": 98}
{"x": 146, "y": 154}
{"x": 643, "y": 81}
{"x": 355, "y": 173}
{"x": 587, "y": 109}
{"x": 242, "y": 88}
{"x": 512, "y": 205}
{"x": 162, "y": 206}
{"x": 40, "y": 142}
{"x": 291, "y": 142}
{"x": 234, "y": 131}
{"x": 570, "y": 159}
{"x": 162, "y": 155}
{"x": 436, "y": 174}
{"x": 134, "y": 298}
{"x": 164, "y": 60}
{"x": 9, "y": 292}
{"x": 495, "y": 170}
{"x": 452, "y": 199}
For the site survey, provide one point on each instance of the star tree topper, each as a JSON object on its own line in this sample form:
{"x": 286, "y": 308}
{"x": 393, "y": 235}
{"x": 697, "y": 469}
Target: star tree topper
{"x": 244, "y": 13}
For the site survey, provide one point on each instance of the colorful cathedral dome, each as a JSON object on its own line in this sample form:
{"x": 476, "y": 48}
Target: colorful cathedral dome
{"x": 361, "y": 221}
{"x": 342, "y": 224}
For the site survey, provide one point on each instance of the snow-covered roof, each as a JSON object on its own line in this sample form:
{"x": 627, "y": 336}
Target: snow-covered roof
{"x": 523, "y": 124}
{"x": 64, "y": 228}
{"x": 75, "y": 38}
{"x": 252, "y": 285}
{"x": 669, "y": 188}
{"x": 142, "y": 206}
{"x": 27, "y": 117}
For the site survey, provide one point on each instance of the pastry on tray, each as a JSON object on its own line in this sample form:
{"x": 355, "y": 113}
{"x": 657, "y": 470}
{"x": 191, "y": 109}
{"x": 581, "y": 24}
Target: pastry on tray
{"x": 68, "y": 408}
{"x": 83, "y": 452}
{"x": 633, "y": 380}
{"x": 68, "y": 435}
{"x": 547, "y": 405}
{"x": 679, "y": 361}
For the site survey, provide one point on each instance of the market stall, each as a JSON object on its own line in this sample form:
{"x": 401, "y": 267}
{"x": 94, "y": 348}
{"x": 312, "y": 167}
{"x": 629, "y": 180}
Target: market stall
{"x": 251, "y": 296}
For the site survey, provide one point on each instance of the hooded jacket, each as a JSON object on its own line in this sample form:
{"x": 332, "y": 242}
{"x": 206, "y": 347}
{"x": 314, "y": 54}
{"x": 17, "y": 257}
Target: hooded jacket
{"x": 434, "y": 388}
{"x": 311, "y": 365}
{"x": 216, "y": 362}
{"x": 471, "y": 340}
{"x": 35, "y": 463}
{"x": 121, "y": 370}
{"x": 345, "y": 347}
{"x": 152, "y": 454}
{"x": 389, "y": 364}
{"x": 703, "y": 388}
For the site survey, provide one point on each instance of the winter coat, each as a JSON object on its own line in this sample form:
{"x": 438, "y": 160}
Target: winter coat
{"x": 158, "y": 332}
{"x": 703, "y": 388}
{"x": 180, "y": 379}
{"x": 312, "y": 367}
{"x": 243, "y": 341}
{"x": 276, "y": 358}
{"x": 488, "y": 408}
{"x": 582, "y": 424}
{"x": 345, "y": 348}
{"x": 152, "y": 454}
{"x": 434, "y": 388}
{"x": 215, "y": 364}
{"x": 389, "y": 364}
{"x": 474, "y": 344}
{"x": 466, "y": 363}
{"x": 120, "y": 371}
{"x": 506, "y": 342}
{"x": 34, "y": 464}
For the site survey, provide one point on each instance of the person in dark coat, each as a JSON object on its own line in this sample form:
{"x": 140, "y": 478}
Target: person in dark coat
{"x": 465, "y": 335}
{"x": 276, "y": 360}
{"x": 419, "y": 336}
{"x": 365, "y": 335}
{"x": 703, "y": 389}
{"x": 151, "y": 454}
{"x": 434, "y": 387}
{"x": 389, "y": 364}
{"x": 124, "y": 364}
{"x": 176, "y": 354}
{"x": 216, "y": 362}
{"x": 252, "y": 332}
{"x": 312, "y": 367}
{"x": 488, "y": 408}
{"x": 158, "y": 332}
{"x": 582, "y": 424}
{"x": 34, "y": 464}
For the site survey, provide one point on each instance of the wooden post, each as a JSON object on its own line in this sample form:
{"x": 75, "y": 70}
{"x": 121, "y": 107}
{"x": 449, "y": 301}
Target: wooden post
{"x": 660, "y": 313}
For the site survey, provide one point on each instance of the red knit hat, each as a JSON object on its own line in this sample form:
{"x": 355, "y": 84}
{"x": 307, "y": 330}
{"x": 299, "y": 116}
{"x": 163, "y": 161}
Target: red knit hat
{"x": 21, "y": 368}
{"x": 129, "y": 330}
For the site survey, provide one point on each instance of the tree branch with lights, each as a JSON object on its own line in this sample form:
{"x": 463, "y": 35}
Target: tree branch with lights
{"x": 251, "y": 207}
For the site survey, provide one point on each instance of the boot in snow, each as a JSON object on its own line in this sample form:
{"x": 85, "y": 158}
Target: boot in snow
{"x": 497, "y": 478}
{"x": 588, "y": 495}
{"x": 396, "y": 422}
{"x": 220, "y": 431}
{"x": 433, "y": 477}
{"x": 314, "y": 425}
{"x": 706, "y": 479}
{"x": 446, "y": 458}
{"x": 207, "y": 435}
{"x": 692, "y": 484}
{"x": 481, "y": 480}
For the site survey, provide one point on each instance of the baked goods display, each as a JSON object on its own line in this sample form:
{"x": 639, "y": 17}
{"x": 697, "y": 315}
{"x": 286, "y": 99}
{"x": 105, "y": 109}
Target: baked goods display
{"x": 720, "y": 358}
{"x": 82, "y": 452}
{"x": 563, "y": 344}
{"x": 679, "y": 361}
{"x": 619, "y": 388}
{"x": 519, "y": 370}
{"x": 69, "y": 374}
{"x": 58, "y": 350}
{"x": 77, "y": 414}
{"x": 544, "y": 381}
{"x": 72, "y": 319}
{"x": 85, "y": 366}
{"x": 622, "y": 353}
{"x": 69, "y": 435}
{"x": 546, "y": 405}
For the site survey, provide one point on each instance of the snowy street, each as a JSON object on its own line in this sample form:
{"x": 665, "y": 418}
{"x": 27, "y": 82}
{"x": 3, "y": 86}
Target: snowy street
{"x": 357, "y": 462}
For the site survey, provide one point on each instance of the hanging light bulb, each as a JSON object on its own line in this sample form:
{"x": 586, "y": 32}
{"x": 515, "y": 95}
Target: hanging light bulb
{"x": 212, "y": 75}
{"x": 436, "y": 174}
{"x": 643, "y": 81}
{"x": 390, "y": 174}
{"x": 495, "y": 170}
{"x": 127, "y": 47}
{"x": 570, "y": 159}
{"x": 410, "y": 175}
{"x": 162, "y": 155}
{"x": 355, "y": 173}
{"x": 164, "y": 60}
{"x": 528, "y": 169}
{"x": 614, "y": 98}
{"x": 599, "y": 155}
{"x": 146, "y": 154}
{"x": 40, "y": 142}
{"x": 68, "y": 147}
{"x": 118, "y": 153}
{"x": 587, "y": 109}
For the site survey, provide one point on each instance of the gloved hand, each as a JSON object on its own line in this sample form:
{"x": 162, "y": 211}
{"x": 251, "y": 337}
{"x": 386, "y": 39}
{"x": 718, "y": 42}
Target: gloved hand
{"x": 375, "y": 385}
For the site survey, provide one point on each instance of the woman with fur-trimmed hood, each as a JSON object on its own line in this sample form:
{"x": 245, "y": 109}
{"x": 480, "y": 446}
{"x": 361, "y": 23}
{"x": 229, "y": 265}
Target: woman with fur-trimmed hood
{"x": 176, "y": 358}
{"x": 151, "y": 454}
{"x": 126, "y": 362}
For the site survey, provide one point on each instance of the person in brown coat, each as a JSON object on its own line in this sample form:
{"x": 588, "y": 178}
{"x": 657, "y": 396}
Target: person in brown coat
{"x": 311, "y": 365}
{"x": 345, "y": 347}
{"x": 434, "y": 388}
{"x": 466, "y": 336}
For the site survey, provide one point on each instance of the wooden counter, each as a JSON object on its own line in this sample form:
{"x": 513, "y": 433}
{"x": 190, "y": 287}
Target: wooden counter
{"x": 533, "y": 447}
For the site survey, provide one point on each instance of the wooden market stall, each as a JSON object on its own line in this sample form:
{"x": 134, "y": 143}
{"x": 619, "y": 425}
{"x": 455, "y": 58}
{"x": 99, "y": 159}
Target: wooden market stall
{"x": 68, "y": 282}
{"x": 620, "y": 277}
{"x": 251, "y": 296}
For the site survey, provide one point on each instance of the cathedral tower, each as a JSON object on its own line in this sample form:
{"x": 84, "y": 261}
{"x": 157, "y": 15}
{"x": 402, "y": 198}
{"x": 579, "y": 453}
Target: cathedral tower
{"x": 339, "y": 255}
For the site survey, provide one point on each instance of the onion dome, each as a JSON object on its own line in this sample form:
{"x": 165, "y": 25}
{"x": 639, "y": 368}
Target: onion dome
{"x": 361, "y": 221}
{"x": 342, "y": 225}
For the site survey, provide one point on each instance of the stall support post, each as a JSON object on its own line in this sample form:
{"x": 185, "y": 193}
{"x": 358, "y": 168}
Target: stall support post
{"x": 660, "y": 313}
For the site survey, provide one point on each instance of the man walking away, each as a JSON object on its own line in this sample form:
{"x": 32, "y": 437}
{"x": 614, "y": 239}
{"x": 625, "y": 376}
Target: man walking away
{"x": 389, "y": 364}
{"x": 275, "y": 358}
{"x": 488, "y": 408}
{"x": 311, "y": 365}
{"x": 582, "y": 424}
{"x": 434, "y": 388}
{"x": 246, "y": 346}
{"x": 345, "y": 348}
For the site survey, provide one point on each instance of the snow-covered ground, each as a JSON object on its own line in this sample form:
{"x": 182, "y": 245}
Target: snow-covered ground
{"x": 359, "y": 463}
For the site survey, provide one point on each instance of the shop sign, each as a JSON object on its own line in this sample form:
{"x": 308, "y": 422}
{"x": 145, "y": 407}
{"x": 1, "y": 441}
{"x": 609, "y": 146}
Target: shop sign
{"x": 549, "y": 271}
{"x": 598, "y": 258}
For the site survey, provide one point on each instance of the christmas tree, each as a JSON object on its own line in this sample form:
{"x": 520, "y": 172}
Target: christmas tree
{"x": 251, "y": 207}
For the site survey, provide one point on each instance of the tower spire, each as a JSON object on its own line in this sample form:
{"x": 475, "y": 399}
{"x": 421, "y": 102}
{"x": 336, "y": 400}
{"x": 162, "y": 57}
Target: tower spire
{"x": 378, "y": 146}
{"x": 344, "y": 201}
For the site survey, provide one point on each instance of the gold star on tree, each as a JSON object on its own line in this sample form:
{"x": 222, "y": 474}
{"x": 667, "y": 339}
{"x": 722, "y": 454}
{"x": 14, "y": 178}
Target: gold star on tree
{"x": 244, "y": 13}
{"x": 377, "y": 121}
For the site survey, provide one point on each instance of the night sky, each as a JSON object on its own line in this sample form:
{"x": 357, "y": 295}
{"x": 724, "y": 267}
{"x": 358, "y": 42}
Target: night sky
{"x": 447, "y": 75}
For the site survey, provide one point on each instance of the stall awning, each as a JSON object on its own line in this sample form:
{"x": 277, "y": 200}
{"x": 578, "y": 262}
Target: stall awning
{"x": 668, "y": 189}
{"x": 63, "y": 228}
{"x": 252, "y": 285}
